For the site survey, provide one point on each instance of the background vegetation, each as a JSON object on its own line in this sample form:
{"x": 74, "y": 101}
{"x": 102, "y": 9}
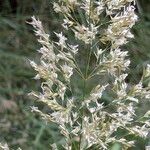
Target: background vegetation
{"x": 18, "y": 126}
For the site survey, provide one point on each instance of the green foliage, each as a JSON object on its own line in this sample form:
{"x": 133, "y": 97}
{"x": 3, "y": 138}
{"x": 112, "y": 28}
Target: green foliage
{"x": 18, "y": 126}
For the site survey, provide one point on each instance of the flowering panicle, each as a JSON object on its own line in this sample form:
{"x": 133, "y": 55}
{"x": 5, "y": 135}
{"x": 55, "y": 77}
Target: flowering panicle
{"x": 119, "y": 30}
{"x": 5, "y": 147}
{"x": 86, "y": 120}
{"x": 56, "y": 68}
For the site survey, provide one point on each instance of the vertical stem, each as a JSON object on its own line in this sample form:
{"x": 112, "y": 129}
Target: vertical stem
{"x": 90, "y": 45}
{"x": 82, "y": 111}
{"x": 36, "y": 142}
{"x": 88, "y": 63}
{"x": 84, "y": 82}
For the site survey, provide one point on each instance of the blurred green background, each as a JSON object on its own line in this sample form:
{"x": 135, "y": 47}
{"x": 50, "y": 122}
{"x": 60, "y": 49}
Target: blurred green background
{"x": 18, "y": 126}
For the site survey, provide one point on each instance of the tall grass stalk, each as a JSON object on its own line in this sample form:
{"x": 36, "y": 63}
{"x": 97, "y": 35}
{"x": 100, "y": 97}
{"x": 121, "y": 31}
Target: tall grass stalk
{"x": 84, "y": 118}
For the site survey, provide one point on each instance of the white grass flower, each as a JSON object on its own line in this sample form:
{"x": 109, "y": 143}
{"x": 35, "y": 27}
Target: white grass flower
{"x": 85, "y": 34}
{"x": 83, "y": 116}
{"x": 62, "y": 40}
{"x": 4, "y": 146}
{"x": 147, "y": 72}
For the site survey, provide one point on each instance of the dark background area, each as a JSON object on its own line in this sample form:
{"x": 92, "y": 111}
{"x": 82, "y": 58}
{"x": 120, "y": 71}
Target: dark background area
{"x": 18, "y": 126}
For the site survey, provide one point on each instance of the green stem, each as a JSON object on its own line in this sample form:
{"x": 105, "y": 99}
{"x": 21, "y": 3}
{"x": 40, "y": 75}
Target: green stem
{"x": 82, "y": 111}
{"x": 84, "y": 83}
{"x": 36, "y": 142}
{"x": 78, "y": 69}
{"x": 90, "y": 45}
{"x": 88, "y": 63}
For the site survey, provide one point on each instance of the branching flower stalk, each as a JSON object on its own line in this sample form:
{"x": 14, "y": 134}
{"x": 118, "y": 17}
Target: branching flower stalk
{"x": 5, "y": 147}
{"x": 87, "y": 121}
